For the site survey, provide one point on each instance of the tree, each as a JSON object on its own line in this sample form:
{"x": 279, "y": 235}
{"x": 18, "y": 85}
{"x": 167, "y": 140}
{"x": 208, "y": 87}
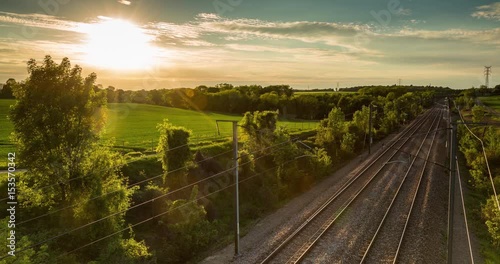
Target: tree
{"x": 174, "y": 153}
{"x": 259, "y": 127}
{"x": 111, "y": 94}
{"x": 491, "y": 214}
{"x": 6, "y": 92}
{"x": 478, "y": 113}
{"x": 496, "y": 90}
{"x": 331, "y": 131}
{"x": 308, "y": 106}
{"x": 58, "y": 119}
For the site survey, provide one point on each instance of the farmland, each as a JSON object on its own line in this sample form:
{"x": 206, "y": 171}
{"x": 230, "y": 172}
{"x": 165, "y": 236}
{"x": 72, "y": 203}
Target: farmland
{"x": 319, "y": 92}
{"x": 491, "y": 101}
{"x": 134, "y": 125}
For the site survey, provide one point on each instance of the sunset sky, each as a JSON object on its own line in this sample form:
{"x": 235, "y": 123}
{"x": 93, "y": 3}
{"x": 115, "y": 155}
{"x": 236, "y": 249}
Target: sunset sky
{"x": 148, "y": 44}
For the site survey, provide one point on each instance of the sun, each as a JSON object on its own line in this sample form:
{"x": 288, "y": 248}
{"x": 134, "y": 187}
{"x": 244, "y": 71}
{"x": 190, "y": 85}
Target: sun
{"x": 118, "y": 44}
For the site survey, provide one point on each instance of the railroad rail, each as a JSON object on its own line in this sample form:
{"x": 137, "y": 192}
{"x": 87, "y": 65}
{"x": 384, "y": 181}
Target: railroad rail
{"x": 393, "y": 220}
{"x": 295, "y": 247}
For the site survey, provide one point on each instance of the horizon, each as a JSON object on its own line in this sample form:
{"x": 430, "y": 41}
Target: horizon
{"x": 172, "y": 44}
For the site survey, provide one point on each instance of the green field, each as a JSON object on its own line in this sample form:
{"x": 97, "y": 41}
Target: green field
{"x": 134, "y": 125}
{"x": 320, "y": 92}
{"x": 491, "y": 101}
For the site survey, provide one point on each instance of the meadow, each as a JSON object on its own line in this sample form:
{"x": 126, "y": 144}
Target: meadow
{"x": 319, "y": 92}
{"x": 134, "y": 125}
{"x": 491, "y": 101}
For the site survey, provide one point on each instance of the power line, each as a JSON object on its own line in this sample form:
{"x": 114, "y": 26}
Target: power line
{"x": 88, "y": 175}
{"x": 108, "y": 193}
{"x": 135, "y": 206}
{"x": 143, "y": 181}
{"x": 484, "y": 154}
{"x": 163, "y": 213}
{"x": 154, "y": 177}
{"x": 117, "y": 166}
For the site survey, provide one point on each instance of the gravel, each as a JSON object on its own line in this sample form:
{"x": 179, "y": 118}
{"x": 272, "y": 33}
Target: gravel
{"x": 343, "y": 243}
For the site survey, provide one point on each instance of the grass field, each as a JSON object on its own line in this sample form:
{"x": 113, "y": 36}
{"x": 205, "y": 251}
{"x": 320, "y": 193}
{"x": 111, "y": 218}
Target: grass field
{"x": 491, "y": 101}
{"x": 320, "y": 92}
{"x": 134, "y": 125}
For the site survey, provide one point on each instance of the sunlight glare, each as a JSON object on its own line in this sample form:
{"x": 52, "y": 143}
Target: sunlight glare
{"x": 118, "y": 44}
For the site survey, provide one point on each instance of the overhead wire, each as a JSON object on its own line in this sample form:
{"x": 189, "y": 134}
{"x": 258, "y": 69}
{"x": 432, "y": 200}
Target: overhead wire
{"x": 485, "y": 157}
{"x": 166, "y": 212}
{"x": 137, "y": 205}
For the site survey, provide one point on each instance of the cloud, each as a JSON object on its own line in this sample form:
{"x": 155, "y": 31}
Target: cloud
{"x": 326, "y": 33}
{"x": 487, "y": 36}
{"x": 488, "y": 11}
{"x": 417, "y": 21}
{"x": 403, "y": 12}
{"x": 297, "y": 29}
{"x": 40, "y": 21}
{"x": 124, "y": 2}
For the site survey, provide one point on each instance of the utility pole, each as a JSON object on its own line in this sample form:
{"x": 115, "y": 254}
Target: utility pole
{"x": 236, "y": 185}
{"x": 399, "y": 81}
{"x": 487, "y": 73}
{"x": 370, "y": 139}
{"x": 453, "y": 172}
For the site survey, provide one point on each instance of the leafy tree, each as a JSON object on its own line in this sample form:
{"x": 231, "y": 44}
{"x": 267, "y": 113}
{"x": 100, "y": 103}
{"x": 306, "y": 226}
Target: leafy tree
{"x": 269, "y": 101}
{"x": 188, "y": 230}
{"x": 259, "y": 127}
{"x": 6, "y": 92}
{"x": 496, "y": 90}
{"x": 478, "y": 113}
{"x": 58, "y": 118}
{"x": 308, "y": 106}
{"x": 331, "y": 131}
{"x": 111, "y": 94}
{"x": 491, "y": 214}
{"x": 361, "y": 118}
{"x": 174, "y": 153}
{"x": 348, "y": 143}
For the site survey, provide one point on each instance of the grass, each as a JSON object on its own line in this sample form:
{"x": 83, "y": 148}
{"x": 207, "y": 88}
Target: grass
{"x": 134, "y": 125}
{"x": 491, "y": 101}
{"x": 320, "y": 92}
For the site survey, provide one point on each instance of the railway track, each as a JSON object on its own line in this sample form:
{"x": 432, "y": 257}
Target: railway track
{"x": 385, "y": 245}
{"x": 296, "y": 246}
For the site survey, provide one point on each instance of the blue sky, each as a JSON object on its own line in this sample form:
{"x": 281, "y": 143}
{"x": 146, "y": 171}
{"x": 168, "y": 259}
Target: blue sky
{"x": 147, "y": 44}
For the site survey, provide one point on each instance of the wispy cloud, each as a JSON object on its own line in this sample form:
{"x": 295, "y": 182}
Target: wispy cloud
{"x": 488, "y": 36}
{"x": 488, "y": 11}
{"x": 124, "y": 2}
{"x": 40, "y": 21}
{"x": 403, "y": 12}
